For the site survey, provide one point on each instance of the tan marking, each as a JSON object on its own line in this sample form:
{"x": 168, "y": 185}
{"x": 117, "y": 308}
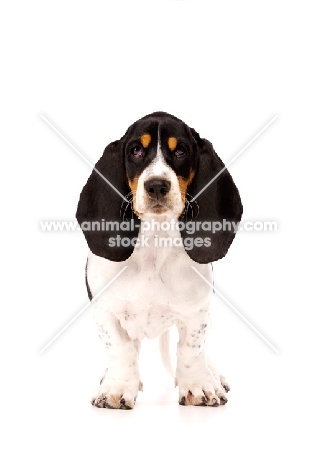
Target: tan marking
{"x": 133, "y": 186}
{"x": 114, "y": 401}
{"x": 145, "y": 140}
{"x": 184, "y": 184}
{"x": 172, "y": 143}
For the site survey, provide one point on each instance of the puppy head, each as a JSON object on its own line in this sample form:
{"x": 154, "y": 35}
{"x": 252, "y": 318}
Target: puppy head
{"x": 157, "y": 169}
{"x": 160, "y": 156}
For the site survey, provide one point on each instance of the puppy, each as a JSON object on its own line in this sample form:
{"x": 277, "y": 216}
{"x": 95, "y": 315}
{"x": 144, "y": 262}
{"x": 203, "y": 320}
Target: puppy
{"x": 149, "y": 213}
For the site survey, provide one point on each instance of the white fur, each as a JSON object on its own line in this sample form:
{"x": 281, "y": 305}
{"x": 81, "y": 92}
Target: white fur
{"x": 159, "y": 168}
{"x": 157, "y": 290}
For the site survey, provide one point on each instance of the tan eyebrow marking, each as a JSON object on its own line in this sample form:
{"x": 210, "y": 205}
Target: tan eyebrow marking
{"x": 172, "y": 143}
{"x": 145, "y": 140}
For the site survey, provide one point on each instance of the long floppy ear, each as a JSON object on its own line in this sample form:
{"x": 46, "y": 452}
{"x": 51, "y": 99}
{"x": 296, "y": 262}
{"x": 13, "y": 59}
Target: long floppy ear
{"x": 100, "y": 203}
{"x": 217, "y": 204}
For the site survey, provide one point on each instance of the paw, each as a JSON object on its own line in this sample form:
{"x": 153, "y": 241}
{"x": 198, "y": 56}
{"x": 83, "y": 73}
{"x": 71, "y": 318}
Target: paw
{"x": 220, "y": 379}
{"x": 113, "y": 401}
{"x": 224, "y": 384}
{"x": 200, "y": 389}
{"x": 117, "y": 393}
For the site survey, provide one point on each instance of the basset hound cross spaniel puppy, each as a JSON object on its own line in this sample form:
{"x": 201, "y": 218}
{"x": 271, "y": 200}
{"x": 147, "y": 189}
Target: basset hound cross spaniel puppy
{"x": 146, "y": 207}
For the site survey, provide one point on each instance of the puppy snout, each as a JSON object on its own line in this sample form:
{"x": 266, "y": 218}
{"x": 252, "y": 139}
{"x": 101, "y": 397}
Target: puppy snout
{"x": 157, "y": 188}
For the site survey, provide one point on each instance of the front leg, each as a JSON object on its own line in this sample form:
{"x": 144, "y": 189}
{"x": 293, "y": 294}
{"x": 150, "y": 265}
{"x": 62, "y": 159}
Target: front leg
{"x": 120, "y": 384}
{"x": 196, "y": 382}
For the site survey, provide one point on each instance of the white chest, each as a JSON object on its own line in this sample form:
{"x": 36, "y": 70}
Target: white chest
{"x": 157, "y": 289}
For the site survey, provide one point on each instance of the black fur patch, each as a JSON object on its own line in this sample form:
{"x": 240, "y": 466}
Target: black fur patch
{"x": 166, "y": 126}
{"x": 87, "y": 284}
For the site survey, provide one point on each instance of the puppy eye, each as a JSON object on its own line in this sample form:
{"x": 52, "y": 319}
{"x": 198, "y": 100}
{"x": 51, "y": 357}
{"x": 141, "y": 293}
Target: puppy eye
{"x": 180, "y": 152}
{"x": 137, "y": 152}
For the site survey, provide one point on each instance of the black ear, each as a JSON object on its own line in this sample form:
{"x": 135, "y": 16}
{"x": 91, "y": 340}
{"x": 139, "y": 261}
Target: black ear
{"x": 218, "y": 203}
{"x": 100, "y": 203}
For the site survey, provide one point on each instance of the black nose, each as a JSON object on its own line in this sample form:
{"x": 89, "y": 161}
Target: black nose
{"x": 157, "y": 188}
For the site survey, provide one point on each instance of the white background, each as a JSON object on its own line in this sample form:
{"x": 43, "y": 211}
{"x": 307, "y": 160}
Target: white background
{"x": 92, "y": 68}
